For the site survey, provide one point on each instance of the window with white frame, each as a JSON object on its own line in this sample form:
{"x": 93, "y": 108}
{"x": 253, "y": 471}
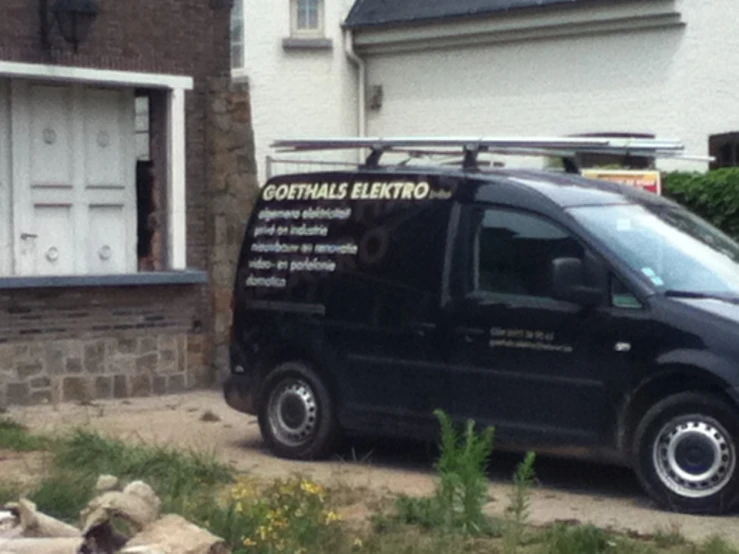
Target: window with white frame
{"x": 307, "y": 18}
{"x": 238, "y": 51}
{"x": 74, "y": 155}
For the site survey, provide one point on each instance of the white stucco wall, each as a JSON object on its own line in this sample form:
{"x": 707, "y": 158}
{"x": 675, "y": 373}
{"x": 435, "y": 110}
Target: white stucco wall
{"x": 297, "y": 93}
{"x": 679, "y": 82}
{"x": 676, "y": 82}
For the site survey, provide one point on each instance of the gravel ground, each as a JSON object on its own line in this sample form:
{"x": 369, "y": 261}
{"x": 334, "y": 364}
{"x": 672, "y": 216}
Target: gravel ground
{"x": 603, "y": 495}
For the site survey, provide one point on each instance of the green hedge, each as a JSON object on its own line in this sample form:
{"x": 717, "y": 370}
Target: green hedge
{"x": 713, "y": 196}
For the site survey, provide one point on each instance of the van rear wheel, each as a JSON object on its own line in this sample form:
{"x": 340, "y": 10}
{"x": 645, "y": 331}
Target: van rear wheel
{"x": 686, "y": 454}
{"x": 296, "y": 415}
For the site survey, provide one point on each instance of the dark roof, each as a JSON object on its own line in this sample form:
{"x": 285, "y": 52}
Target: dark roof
{"x": 370, "y": 13}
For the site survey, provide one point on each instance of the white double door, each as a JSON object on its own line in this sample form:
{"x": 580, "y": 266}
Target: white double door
{"x": 67, "y": 175}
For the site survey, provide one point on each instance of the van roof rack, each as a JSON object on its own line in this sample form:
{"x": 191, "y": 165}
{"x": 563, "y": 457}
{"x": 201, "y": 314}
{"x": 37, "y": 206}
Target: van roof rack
{"x": 567, "y": 148}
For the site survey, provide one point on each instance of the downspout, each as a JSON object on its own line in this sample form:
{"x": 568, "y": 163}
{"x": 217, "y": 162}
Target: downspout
{"x": 362, "y": 90}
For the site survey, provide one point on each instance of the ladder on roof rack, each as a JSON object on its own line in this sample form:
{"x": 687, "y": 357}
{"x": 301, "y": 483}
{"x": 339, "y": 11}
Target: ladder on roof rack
{"x": 470, "y": 148}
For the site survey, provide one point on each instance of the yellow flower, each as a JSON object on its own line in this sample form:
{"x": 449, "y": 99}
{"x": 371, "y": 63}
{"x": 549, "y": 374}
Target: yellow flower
{"x": 249, "y": 542}
{"x": 332, "y": 516}
{"x": 357, "y": 543}
{"x": 239, "y": 508}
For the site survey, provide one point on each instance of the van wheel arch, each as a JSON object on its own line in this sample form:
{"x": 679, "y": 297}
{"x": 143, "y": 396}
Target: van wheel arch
{"x": 670, "y": 382}
{"x": 285, "y": 352}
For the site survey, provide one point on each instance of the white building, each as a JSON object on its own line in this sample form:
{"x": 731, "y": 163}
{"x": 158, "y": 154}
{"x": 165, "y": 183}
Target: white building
{"x": 495, "y": 67}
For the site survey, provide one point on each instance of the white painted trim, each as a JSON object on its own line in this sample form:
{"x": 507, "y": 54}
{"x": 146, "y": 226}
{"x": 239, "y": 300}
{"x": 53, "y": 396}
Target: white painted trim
{"x": 176, "y": 186}
{"x": 96, "y": 76}
{"x": 515, "y": 26}
{"x": 6, "y": 199}
{"x": 361, "y": 89}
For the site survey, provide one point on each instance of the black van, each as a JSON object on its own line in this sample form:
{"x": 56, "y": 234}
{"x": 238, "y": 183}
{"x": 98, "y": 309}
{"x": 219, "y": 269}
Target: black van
{"x": 577, "y": 317}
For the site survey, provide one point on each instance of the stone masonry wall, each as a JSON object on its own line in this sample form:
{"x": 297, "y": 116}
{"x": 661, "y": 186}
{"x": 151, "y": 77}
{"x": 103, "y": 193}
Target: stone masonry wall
{"x": 63, "y": 344}
{"x": 111, "y": 367}
{"x": 233, "y": 192}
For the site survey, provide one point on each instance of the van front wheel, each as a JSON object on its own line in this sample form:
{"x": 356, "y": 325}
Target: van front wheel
{"x": 686, "y": 454}
{"x": 296, "y": 415}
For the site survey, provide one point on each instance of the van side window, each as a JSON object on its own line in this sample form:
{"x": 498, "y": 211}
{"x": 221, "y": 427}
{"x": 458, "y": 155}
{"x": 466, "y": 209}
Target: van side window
{"x": 513, "y": 253}
{"x": 621, "y": 297}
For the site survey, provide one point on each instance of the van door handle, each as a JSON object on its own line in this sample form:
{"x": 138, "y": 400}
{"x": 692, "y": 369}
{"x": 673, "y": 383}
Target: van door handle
{"x": 26, "y": 236}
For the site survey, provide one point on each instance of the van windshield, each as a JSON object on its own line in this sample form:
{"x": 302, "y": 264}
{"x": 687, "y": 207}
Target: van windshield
{"x": 678, "y": 252}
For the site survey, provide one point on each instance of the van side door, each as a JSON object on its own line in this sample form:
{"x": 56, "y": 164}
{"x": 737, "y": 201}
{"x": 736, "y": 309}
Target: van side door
{"x": 519, "y": 358}
{"x": 382, "y": 316}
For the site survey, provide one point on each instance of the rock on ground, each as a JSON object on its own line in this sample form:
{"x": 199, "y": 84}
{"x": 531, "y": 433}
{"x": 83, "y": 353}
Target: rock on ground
{"x": 173, "y": 534}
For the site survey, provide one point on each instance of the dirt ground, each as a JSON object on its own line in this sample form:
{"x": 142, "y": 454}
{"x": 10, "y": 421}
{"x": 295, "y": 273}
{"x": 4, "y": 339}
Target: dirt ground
{"x": 601, "y": 495}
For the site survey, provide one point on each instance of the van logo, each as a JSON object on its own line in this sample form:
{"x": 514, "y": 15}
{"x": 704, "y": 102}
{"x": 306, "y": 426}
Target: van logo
{"x": 622, "y": 347}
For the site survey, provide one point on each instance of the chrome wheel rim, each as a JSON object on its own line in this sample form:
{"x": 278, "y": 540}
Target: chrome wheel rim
{"x": 694, "y": 457}
{"x": 293, "y": 413}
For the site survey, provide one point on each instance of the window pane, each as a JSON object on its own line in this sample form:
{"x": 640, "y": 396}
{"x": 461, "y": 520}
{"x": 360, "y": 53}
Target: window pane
{"x": 307, "y": 14}
{"x": 514, "y": 253}
{"x": 237, "y": 35}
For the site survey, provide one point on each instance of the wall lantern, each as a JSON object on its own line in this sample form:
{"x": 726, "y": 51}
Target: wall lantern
{"x": 73, "y": 18}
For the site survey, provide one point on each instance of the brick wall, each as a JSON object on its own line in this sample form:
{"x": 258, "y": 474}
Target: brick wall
{"x": 66, "y": 344}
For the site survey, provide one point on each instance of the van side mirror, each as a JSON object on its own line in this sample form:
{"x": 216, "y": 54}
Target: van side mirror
{"x": 568, "y": 283}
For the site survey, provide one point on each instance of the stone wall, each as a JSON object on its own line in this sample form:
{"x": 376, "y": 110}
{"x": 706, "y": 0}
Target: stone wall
{"x": 107, "y": 367}
{"x": 233, "y": 192}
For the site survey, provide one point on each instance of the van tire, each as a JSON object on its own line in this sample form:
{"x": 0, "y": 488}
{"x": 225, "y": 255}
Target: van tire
{"x": 685, "y": 454}
{"x": 296, "y": 415}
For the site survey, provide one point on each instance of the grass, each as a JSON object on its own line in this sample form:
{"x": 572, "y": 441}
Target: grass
{"x": 584, "y": 539}
{"x": 63, "y": 495}
{"x": 300, "y": 516}
{"x": 14, "y": 436}
{"x": 173, "y": 474}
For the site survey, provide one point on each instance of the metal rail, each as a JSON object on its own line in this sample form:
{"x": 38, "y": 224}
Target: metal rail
{"x": 469, "y": 148}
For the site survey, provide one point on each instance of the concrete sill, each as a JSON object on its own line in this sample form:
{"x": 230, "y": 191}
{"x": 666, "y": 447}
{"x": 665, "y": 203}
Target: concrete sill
{"x": 307, "y": 44}
{"x": 153, "y": 278}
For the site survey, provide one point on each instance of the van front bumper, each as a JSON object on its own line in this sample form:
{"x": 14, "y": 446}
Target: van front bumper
{"x": 238, "y": 390}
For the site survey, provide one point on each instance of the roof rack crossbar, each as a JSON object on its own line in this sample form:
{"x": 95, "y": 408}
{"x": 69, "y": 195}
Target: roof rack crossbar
{"x": 568, "y": 148}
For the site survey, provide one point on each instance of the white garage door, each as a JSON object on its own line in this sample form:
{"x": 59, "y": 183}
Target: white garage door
{"x": 72, "y": 179}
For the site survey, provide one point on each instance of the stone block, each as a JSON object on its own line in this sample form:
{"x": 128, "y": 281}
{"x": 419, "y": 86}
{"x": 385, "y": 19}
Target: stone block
{"x": 18, "y": 393}
{"x": 176, "y": 384}
{"x": 55, "y": 359}
{"x": 140, "y": 385}
{"x": 36, "y": 353}
{"x": 147, "y": 345}
{"x": 41, "y": 397}
{"x": 168, "y": 356}
{"x": 94, "y": 360}
{"x": 40, "y": 383}
{"x": 167, "y": 342}
{"x": 127, "y": 345}
{"x": 194, "y": 344}
{"x": 120, "y": 386}
{"x": 147, "y": 363}
{"x": 103, "y": 386}
{"x": 74, "y": 365}
{"x": 219, "y": 105}
{"x": 122, "y": 364}
{"x": 75, "y": 389}
{"x": 181, "y": 352}
{"x": 6, "y": 357}
{"x": 159, "y": 385}
{"x": 29, "y": 369}
{"x": 21, "y": 351}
